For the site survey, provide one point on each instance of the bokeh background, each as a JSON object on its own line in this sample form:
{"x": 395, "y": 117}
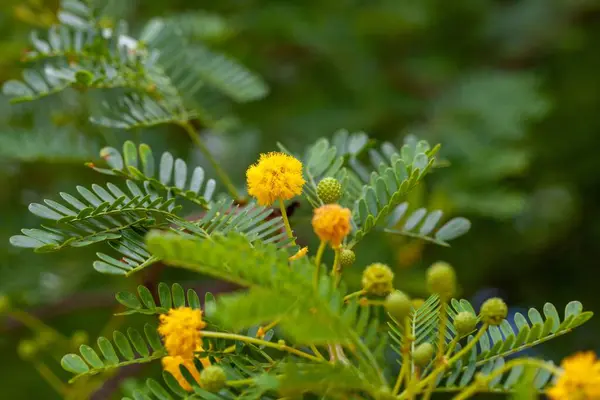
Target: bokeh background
{"x": 510, "y": 88}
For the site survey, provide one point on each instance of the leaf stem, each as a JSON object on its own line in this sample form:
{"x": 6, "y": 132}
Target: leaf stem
{"x": 316, "y": 351}
{"x": 318, "y": 263}
{"x": 354, "y": 294}
{"x": 50, "y": 378}
{"x": 336, "y": 271}
{"x": 431, "y": 377}
{"x": 241, "y": 382}
{"x": 220, "y": 172}
{"x": 286, "y": 221}
{"x": 483, "y": 381}
{"x": 260, "y": 342}
{"x": 405, "y": 357}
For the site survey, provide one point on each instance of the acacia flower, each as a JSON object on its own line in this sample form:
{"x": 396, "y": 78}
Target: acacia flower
{"x": 299, "y": 254}
{"x": 580, "y": 379}
{"x": 171, "y": 364}
{"x": 180, "y": 328}
{"x": 331, "y": 223}
{"x": 276, "y": 176}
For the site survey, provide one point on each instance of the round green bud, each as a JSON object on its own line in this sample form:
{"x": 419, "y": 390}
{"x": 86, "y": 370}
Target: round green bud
{"x": 398, "y": 305}
{"x": 493, "y": 311}
{"x": 46, "y": 338}
{"x": 347, "y": 258}
{"x": 465, "y": 322}
{"x": 4, "y": 304}
{"x": 329, "y": 190}
{"x": 212, "y": 378}
{"x": 417, "y": 303}
{"x": 423, "y": 354}
{"x": 79, "y": 338}
{"x": 27, "y": 349}
{"x": 441, "y": 280}
{"x": 378, "y": 279}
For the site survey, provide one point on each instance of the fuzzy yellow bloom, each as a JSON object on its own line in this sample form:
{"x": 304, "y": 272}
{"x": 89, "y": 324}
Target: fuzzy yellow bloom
{"x": 331, "y": 223}
{"x": 171, "y": 364}
{"x": 275, "y": 176}
{"x": 580, "y": 379}
{"x": 180, "y": 329}
{"x": 299, "y": 254}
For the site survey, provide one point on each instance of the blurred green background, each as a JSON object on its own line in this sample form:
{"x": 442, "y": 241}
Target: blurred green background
{"x": 510, "y": 89}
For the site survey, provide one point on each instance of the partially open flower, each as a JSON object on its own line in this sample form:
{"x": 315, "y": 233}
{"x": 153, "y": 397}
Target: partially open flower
{"x": 276, "y": 176}
{"x": 180, "y": 328}
{"x": 331, "y": 223}
{"x": 378, "y": 279}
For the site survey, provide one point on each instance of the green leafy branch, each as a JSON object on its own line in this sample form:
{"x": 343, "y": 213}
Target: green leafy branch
{"x": 133, "y": 348}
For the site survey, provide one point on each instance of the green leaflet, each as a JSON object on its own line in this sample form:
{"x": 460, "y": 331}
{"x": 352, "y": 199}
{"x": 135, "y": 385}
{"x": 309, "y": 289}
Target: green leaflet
{"x": 115, "y": 354}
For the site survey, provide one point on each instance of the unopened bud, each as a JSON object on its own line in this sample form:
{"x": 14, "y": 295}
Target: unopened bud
{"x": 378, "y": 279}
{"x": 441, "y": 280}
{"x": 493, "y": 311}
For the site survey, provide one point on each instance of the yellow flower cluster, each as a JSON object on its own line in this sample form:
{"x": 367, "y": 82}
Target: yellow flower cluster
{"x": 580, "y": 379}
{"x": 180, "y": 329}
{"x": 331, "y": 223}
{"x": 276, "y": 176}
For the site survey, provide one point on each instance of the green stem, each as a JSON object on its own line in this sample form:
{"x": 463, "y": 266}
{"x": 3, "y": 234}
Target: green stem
{"x": 405, "y": 357}
{"x": 37, "y": 325}
{"x": 241, "y": 382}
{"x": 439, "y": 358}
{"x": 440, "y": 368}
{"x": 336, "y": 271}
{"x": 316, "y": 351}
{"x": 354, "y": 294}
{"x": 50, "y": 378}
{"x": 318, "y": 263}
{"x": 220, "y": 172}
{"x": 286, "y": 221}
{"x": 247, "y": 339}
{"x": 484, "y": 380}
{"x": 452, "y": 346}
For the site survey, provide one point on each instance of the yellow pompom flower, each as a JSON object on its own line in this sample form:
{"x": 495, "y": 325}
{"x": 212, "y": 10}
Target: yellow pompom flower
{"x": 331, "y": 223}
{"x": 180, "y": 329}
{"x": 171, "y": 364}
{"x": 299, "y": 254}
{"x": 276, "y": 176}
{"x": 580, "y": 379}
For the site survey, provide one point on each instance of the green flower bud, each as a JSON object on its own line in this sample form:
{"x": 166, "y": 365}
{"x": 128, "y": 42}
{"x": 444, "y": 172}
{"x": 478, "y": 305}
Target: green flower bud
{"x": 347, "y": 258}
{"x": 329, "y": 190}
{"x": 4, "y": 304}
{"x": 465, "y": 322}
{"x": 27, "y": 349}
{"x": 441, "y": 280}
{"x": 423, "y": 354}
{"x": 79, "y": 338}
{"x": 212, "y": 378}
{"x": 46, "y": 338}
{"x": 493, "y": 311}
{"x": 378, "y": 279}
{"x": 398, "y": 305}
{"x": 417, "y": 303}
